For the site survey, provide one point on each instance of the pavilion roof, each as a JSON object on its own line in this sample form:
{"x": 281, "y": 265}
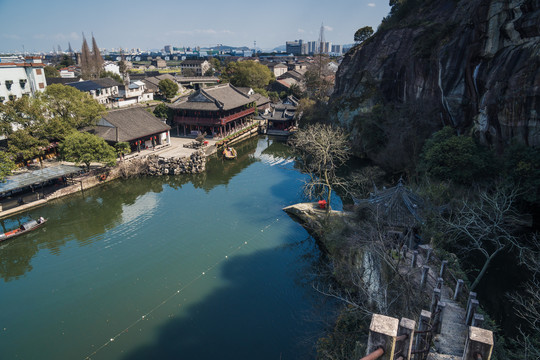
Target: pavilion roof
{"x": 214, "y": 98}
{"x": 398, "y": 205}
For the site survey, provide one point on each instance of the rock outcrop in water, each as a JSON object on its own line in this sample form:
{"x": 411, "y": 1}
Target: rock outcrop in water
{"x": 193, "y": 164}
{"x": 472, "y": 64}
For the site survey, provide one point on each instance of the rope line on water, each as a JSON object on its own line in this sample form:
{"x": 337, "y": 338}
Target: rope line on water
{"x": 203, "y": 273}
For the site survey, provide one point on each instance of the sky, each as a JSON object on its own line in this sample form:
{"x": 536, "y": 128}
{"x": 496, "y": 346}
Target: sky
{"x": 40, "y": 26}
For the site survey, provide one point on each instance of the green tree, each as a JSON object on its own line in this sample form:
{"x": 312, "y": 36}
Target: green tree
{"x": 85, "y": 148}
{"x": 51, "y": 72}
{"x": 162, "y": 111}
{"x": 122, "y": 148}
{"x": 446, "y": 156}
{"x": 25, "y": 146}
{"x": 6, "y": 165}
{"x": 70, "y": 108}
{"x": 24, "y": 112}
{"x": 168, "y": 88}
{"x": 296, "y": 91}
{"x": 112, "y": 75}
{"x": 522, "y": 169}
{"x": 363, "y": 34}
{"x": 247, "y": 74}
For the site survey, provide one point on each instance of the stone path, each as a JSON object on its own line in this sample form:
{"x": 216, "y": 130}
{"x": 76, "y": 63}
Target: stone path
{"x": 450, "y": 343}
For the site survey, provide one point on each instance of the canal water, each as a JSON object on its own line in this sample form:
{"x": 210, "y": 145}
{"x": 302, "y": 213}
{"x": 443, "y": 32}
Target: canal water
{"x": 189, "y": 267}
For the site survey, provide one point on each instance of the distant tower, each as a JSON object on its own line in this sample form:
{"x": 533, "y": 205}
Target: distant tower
{"x": 70, "y": 50}
{"x": 255, "y": 45}
{"x": 321, "y": 41}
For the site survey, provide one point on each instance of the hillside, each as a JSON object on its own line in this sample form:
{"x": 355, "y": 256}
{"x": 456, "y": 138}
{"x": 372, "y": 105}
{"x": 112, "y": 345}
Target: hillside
{"x": 472, "y": 64}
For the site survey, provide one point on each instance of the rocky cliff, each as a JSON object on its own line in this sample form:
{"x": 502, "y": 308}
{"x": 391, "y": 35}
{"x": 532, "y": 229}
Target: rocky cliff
{"x": 472, "y": 64}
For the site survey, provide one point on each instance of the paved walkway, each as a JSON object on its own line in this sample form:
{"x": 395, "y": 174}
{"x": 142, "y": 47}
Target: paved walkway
{"x": 450, "y": 343}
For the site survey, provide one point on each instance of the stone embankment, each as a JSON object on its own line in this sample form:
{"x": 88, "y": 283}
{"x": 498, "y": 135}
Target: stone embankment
{"x": 194, "y": 164}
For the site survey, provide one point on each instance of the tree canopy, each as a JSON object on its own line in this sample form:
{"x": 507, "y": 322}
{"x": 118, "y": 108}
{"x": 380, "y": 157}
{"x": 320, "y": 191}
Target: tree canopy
{"x": 85, "y": 148}
{"x": 168, "y": 88}
{"x": 363, "y": 34}
{"x": 71, "y": 108}
{"x": 447, "y": 156}
{"x": 6, "y": 165}
{"x": 247, "y": 74}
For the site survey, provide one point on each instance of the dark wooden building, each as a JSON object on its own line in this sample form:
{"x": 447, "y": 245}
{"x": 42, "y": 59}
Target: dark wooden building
{"x": 217, "y": 110}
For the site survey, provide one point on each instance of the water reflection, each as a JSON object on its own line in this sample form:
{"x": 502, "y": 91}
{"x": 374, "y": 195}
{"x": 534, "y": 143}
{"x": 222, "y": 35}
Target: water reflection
{"x": 84, "y": 217}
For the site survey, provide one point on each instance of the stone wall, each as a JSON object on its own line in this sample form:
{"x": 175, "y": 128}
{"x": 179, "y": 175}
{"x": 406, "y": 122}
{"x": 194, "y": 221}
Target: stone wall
{"x": 193, "y": 164}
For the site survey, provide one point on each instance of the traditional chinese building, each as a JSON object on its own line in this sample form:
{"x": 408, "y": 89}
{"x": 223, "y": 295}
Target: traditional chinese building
{"x": 217, "y": 110}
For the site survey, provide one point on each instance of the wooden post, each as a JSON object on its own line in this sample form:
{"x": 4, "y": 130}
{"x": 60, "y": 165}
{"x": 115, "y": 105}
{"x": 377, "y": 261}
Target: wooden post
{"x": 429, "y": 251}
{"x": 435, "y": 299}
{"x": 443, "y": 268}
{"x": 479, "y": 342}
{"x": 423, "y": 325}
{"x": 441, "y": 306}
{"x": 414, "y": 257}
{"x": 472, "y": 296}
{"x": 440, "y": 282}
{"x": 459, "y": 286}
{"x": 406, "y": 327}
{"x": 383, "y": 331}
{"x": 472, "y": 309}
{"x": 425, "y": 272}
{"x": 478, "y": 320}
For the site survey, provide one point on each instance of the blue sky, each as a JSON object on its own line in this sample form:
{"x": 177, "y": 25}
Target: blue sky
{"x": 42, "y": 25}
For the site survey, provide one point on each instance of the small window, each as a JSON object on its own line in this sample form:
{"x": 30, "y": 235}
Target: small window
{"x": 38, "y": 71}
{"x": 12, "y": 97}
{"x": 2, "y": 98}
{"x": 41, "y": 85}
{"x": 8, "y": 84}
{"x": 22, "y": 82}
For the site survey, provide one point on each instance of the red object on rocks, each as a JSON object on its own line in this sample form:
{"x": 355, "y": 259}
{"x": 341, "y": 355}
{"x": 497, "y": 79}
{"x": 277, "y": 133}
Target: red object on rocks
{"x": 322, "y": 204}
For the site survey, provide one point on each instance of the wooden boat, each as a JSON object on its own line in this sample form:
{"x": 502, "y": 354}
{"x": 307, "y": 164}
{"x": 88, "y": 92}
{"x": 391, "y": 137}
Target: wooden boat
{"x": 24, "y": 228}
{"x": 229, "y": 153}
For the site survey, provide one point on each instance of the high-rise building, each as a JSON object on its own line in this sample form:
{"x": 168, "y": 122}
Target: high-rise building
{"x": 294, "y": 47}
{"x": 168, "y": 49}
{"x": 337, "y": 49}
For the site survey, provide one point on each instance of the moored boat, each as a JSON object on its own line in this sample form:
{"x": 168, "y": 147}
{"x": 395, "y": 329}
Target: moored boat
{"x": 229, "y": 153}
{"x": 24, "y": 228}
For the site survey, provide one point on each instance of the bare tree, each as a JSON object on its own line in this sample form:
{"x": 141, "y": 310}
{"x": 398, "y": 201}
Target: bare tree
{"x": 527, "y": 303}
{"x": 484, "y": 226}
{"x": 322, "y": 149}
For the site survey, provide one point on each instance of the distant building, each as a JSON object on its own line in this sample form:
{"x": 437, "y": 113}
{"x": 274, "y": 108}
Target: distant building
{"x": 277, "y": 68}
{"x": 105, "y": 91}
{"x": 18, "y": 79}
{"x": 168, "y": 48}
{"x": 337, "y": 49}
{"x": 198, "y": 67}
{"x": 294, "y": 47}
{"x": 159, "y": 63}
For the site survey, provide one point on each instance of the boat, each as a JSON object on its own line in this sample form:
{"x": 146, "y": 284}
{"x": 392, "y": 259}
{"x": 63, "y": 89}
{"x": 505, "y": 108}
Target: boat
{"x": 229, "y": 153}
{"x": 24, "y": 228}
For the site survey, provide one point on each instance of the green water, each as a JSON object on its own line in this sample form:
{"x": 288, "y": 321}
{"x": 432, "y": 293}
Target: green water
{"x": 188, "y": 267}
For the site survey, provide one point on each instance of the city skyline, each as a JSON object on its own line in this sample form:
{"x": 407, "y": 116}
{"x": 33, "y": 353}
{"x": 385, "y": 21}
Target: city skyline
{"x": 35, "y": 26}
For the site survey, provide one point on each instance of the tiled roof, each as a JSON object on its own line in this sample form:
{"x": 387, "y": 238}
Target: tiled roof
{"x": 95, "y": 84}
{"x": 133, "y": 123}
{"x": 219, "y": 97}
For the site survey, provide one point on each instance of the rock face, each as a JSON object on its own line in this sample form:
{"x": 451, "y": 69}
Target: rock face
{"x": 471, "y": 64}
{"x": 175, "y": 166}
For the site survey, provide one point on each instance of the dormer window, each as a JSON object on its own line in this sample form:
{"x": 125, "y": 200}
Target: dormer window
{"x": 8, "y": 84}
